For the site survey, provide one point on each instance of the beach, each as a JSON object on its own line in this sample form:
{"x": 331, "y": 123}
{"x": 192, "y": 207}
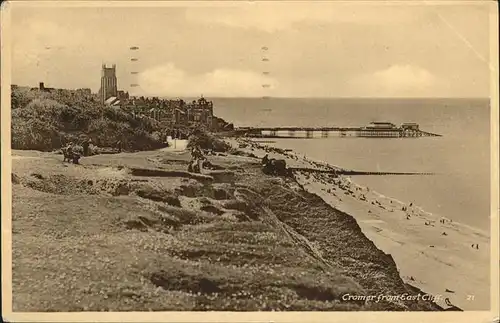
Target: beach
{"x": 460, "y": 159}
{"x": 433, "y": 253}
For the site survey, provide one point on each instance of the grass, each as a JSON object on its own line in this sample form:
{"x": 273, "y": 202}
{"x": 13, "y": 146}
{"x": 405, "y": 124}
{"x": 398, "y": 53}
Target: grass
{"x": 82, "y": 248}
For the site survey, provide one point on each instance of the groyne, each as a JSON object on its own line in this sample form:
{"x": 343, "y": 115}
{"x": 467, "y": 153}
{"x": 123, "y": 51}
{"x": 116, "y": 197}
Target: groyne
{"x": 355, "y": 172}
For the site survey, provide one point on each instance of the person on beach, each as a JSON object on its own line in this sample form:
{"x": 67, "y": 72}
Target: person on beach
{"x": 451, "y": 306}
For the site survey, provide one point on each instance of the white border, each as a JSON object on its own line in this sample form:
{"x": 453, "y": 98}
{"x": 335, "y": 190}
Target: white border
{"x": 8, "y": 315}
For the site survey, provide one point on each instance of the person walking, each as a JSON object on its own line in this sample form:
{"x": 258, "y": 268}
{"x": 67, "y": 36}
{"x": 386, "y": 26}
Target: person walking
{"x": 119, "y": 146}
{"x": 85, "y": 146}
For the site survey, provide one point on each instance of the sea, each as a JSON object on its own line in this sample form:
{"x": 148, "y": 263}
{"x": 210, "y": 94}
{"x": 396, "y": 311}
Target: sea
{"x": 460, "y": 159}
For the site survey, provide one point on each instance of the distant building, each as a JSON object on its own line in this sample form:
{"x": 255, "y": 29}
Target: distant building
{"x": 410, "y": 126}
{"x": 196, "y": 112}
{"x": 42, "y": 87}
{"x": 381, "y": 125}
{"x": 85, "y": 91}
{"x": 122, "y": 95}
{"x": 180, "y": 116}
{"x": 109, "y": 87}
{"x": 112, "y": 101}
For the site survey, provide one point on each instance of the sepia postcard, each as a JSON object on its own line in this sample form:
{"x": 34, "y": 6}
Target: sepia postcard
{"x": 250, "y": 161}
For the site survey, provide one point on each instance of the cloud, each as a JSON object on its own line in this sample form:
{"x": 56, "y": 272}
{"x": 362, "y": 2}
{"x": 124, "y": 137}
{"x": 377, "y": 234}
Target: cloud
{"x": 272, "y": 17}
{"x": 404, "y": 76}
{"x": 168, "y": 80}
{"x": 397, "y": 80}
{"x": 315, "y": 49}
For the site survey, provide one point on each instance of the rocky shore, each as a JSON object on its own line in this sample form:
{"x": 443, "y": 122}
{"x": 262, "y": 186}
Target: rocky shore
{"x": 136, "y": 232}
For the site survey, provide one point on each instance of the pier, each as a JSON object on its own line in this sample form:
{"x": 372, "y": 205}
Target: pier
{"x": 326, "y": 132}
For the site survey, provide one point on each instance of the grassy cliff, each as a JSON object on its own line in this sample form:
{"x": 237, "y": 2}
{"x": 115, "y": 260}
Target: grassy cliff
{"x": 135, "y": 232}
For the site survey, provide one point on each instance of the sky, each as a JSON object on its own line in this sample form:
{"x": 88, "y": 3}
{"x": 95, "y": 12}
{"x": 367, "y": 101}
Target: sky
{"x": 253, "y": 49}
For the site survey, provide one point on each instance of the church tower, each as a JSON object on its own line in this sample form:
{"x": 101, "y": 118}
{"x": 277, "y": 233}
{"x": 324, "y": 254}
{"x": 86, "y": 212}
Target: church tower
{"x": 109, "y": 86}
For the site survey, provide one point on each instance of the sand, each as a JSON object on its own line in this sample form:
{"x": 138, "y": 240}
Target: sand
{"x": 433, "y": 253}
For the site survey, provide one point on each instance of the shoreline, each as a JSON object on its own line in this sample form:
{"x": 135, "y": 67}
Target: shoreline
{"x": 421, "y": 243}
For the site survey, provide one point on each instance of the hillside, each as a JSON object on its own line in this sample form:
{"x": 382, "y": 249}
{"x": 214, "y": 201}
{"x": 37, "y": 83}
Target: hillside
{"x": 47, "y": 120}
{"x": 135, "y": 232}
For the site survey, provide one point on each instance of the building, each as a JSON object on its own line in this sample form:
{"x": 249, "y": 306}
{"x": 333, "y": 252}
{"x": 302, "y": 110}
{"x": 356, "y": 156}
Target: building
{"x": 410, "y": 126}
{"x": 381, "y": 125}
{"x": 42, "y": 87}
{"x": 109, "y": 86}
{"x": 112, "y": 100}
{"x": 85, "y": 91}
{"x": 197, "y": 112}
{"x": 122, "y": 95}
{"x": 379, "y": 130}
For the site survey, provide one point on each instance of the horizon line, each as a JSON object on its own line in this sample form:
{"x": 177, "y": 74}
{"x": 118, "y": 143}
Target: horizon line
{"x": 290, "y": 97}
{"x": 329, "y": 97}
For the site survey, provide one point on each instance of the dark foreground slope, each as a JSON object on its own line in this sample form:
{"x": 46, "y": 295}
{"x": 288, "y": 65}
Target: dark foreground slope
{"x": 97, "y": 237}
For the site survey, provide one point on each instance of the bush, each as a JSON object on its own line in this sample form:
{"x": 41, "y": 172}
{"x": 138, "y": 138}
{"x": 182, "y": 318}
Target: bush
{"x": 48, "y": 120}
{"x": 208, "y": 141}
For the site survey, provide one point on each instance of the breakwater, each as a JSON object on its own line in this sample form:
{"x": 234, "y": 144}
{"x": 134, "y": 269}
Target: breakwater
{"x": 355, "y": 172}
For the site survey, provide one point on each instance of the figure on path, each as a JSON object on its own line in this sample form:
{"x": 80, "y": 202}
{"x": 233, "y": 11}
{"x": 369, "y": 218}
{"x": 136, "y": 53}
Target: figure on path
{"x": 265, "y": 159}
{"x": 85, "y": 146}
